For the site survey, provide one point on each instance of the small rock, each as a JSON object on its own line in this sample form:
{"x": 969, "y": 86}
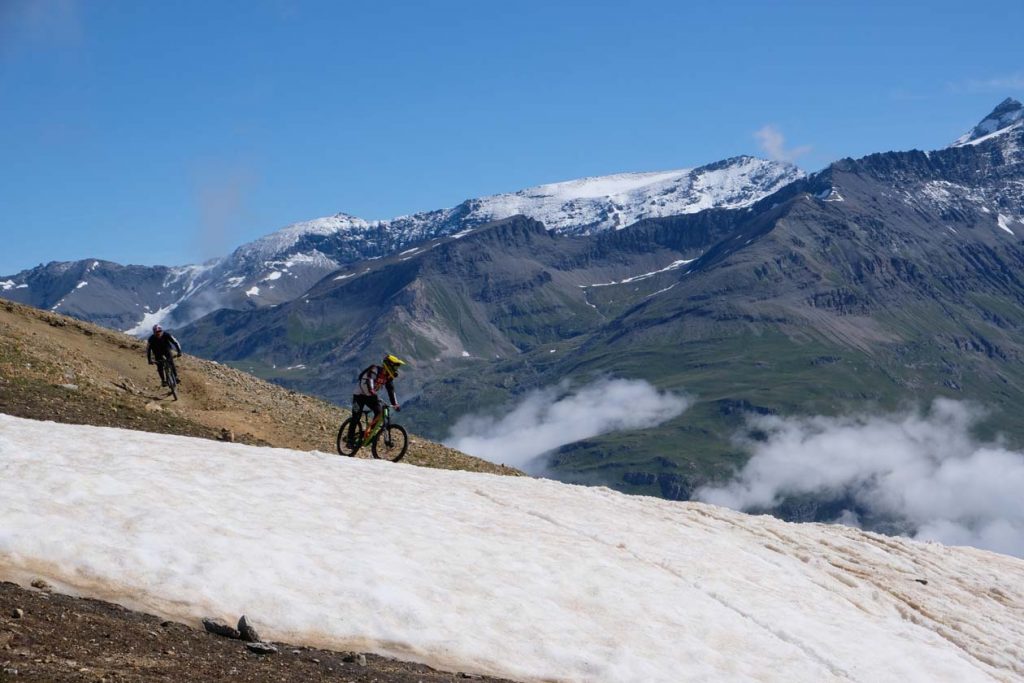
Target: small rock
{"x": 261, "y": 648}
{"x": 167, "y": 623}
{"x": 247, "y": 632}
{"x": 219, "y": 628}
{"x": 227, "y": 435}
{"x": 315, "y": 660}
{"x": 361, "y": 660}
{"x": 296, "y": 652}
{"x": 17, "y": 613}
{"x": 41, "y": 585}
{"x": 923, "y": 582}
{"x": 10, "y": 671}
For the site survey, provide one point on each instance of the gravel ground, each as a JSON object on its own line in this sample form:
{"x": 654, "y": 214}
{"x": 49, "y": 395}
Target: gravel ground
{"x": 48, "y": 637}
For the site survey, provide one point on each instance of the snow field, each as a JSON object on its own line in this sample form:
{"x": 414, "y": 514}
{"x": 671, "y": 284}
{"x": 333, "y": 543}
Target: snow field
{"x": 523, "y": 578}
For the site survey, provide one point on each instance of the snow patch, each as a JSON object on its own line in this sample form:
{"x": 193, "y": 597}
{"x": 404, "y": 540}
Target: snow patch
{"x": 146, "y": 324}
{"x": 1004, "y": 223}
{"x": 568, "y": 583}
{"x": 252, "y": 291}
{"x": 81, "y": 284}
{"x": 671, "y": 266}
{"x": 830, "y": 195}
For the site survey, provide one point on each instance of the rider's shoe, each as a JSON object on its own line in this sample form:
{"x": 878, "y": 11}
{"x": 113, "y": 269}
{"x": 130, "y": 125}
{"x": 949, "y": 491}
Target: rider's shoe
{"x": 163, "y": 383}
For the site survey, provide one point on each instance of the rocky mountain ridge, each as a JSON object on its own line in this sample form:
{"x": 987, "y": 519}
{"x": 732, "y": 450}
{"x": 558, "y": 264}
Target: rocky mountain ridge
{"x": 281, "y": 266}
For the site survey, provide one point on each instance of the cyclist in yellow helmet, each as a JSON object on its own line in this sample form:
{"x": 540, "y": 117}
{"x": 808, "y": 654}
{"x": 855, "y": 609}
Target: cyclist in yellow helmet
{"x": 370, "y": 382}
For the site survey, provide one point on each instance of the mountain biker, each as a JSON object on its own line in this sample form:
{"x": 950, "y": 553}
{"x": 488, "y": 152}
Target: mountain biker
{"x": 370, "y": 381}
{"x": 159, "y": 347}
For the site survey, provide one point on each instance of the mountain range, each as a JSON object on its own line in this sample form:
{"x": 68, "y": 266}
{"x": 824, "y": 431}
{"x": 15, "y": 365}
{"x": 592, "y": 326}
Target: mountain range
{"x": 284, "y": 264}
{"x": 752, "y": 289}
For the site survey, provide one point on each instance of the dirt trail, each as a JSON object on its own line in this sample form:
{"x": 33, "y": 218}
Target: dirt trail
{"x": 53, "y": 367}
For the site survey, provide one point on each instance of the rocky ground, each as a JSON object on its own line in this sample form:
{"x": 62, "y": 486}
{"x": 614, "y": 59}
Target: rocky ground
{"x": 47, "y": 637}
{"x": 56, "y": 368}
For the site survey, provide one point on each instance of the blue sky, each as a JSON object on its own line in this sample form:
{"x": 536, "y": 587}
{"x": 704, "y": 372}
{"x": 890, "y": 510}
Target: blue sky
{"x": 152, "y": 132}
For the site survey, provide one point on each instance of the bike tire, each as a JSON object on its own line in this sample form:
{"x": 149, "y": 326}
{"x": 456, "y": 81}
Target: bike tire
{"x": 171, "y": 373}
{"x": 391, "y": 443}
{"x": 342, "y": 443}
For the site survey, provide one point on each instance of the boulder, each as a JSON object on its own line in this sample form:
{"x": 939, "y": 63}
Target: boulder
{"x": 219, "y": 628}
{"x": 247, "y": 632}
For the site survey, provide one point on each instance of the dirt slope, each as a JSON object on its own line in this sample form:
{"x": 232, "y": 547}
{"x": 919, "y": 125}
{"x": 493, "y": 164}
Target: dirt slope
{"x": 53, "y": 367}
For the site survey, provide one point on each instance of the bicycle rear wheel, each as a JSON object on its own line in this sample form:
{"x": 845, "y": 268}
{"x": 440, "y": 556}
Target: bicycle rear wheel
{"x": 391, "y": 443}
{"x": 343, "y": 446}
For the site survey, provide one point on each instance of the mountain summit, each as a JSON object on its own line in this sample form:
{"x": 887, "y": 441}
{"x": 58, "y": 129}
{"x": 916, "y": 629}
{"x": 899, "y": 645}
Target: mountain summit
{"x": 1008, "y": 114}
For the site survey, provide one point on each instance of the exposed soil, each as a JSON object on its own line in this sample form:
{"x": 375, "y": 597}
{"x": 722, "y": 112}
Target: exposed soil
{"x": 61, "y": 638}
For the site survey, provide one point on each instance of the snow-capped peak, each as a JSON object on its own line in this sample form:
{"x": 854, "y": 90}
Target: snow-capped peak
{"x": 277, "y": 243}
{"x": 581, "y": 206}
{"x": 610, "y": 202}
{"x": 1008, "y": 114}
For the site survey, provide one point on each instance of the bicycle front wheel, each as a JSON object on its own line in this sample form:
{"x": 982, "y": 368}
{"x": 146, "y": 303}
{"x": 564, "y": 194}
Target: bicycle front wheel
{"x": 391, "y": 443}
{"x": 343, "y": 446}
{"x": 172, "y": 380}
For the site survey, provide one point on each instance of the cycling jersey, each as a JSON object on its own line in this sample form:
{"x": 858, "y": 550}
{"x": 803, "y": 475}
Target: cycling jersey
{"x": 372, "y": 379}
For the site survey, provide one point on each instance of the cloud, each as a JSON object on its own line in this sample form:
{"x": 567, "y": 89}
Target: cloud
{"x": 922, "y": 471}
{"x": 221, "y": 195}
{"x": 550, "y": 418}
{"x": 40, "y": 24}
{"x": 773, "y": 144}
{"x": 1000, "y": 83}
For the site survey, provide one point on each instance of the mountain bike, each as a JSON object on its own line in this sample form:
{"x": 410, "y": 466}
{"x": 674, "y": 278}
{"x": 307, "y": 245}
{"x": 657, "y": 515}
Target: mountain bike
{"x": 170, "y": 373}
{"x": 387, "y": 441}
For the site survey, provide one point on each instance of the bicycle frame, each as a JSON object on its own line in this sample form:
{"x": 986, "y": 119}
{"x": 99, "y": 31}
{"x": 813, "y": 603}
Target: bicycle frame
{"x": 375, "y": 425}
{"x": 167, "y": 365}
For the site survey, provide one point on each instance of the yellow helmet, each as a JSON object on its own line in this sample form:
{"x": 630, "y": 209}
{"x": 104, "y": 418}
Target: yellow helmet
{"x": 391, "y": 364}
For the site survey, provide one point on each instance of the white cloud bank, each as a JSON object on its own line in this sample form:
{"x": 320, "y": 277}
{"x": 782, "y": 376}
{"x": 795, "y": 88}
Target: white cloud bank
{"x": 924, "y": 469}
{"x": 550, "y": 418}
